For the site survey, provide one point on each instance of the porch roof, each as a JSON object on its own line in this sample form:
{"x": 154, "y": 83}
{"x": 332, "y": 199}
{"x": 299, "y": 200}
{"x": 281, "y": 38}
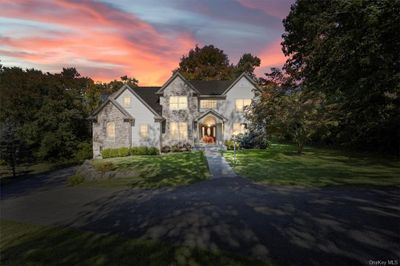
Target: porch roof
{"x": 211, "y": 112}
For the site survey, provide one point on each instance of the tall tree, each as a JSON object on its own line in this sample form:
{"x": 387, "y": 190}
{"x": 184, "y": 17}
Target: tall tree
{"x": 247, "y": 63}
{"x": 206, "y": 63}
{"x": 349, "y": 50}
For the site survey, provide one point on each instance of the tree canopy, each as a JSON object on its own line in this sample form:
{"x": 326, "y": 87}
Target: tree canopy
{"x": 349, "y": 51}
{"x": 211, "y": 63}
{"x": 43, "y": 116}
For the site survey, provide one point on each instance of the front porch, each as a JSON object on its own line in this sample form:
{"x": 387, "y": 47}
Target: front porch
{"x": 209, "y": 128}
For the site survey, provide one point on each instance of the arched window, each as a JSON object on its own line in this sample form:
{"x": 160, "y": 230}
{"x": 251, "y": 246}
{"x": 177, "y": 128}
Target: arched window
{"x": 110, "y": 131}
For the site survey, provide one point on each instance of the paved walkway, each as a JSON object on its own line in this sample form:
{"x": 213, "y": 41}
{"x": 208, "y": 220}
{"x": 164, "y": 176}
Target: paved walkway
{"x": 295, "y": 226}
{"x": 217, "y": 164}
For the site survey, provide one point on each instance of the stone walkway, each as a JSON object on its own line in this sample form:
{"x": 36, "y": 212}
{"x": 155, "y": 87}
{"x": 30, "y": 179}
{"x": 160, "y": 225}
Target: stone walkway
{"x": 219, "y": 167}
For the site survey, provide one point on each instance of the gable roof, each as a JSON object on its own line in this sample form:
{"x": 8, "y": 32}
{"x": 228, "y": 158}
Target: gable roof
{"x": 117, "y": 105}
{"x": 147, "y": 95}
{"x": 215, "y": 113}
{"x": 209, "y": 87}
{"x": 174, "y": 76}
{"x": 237, "y": 80}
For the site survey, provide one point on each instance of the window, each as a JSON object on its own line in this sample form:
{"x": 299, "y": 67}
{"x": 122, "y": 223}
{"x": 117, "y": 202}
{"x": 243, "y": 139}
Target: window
{"x": 144, "y": 131}
{"x": 241, "y": 103}
{"x": 208, "y": 104}
{"x": 127, "y": 101}
{"x": 178, "y": 130}
{"x": 238, "y": 128}
{"x": 177, "y": 102}
{"x": 110, "y": 130}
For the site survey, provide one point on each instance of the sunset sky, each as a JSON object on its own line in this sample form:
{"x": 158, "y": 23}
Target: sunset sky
{"x": 140, "y": 38}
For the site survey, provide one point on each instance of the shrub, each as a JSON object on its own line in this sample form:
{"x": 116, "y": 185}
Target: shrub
{"x": 104, "y": 167}
{"x": 166, "y": 149}
{"x": 188, "y": 146}
{"x": 124, "y": 151}
{"x": 75, "y": 180}
{"x": 251, "y": 140}
{"x": 84, "y": 152}
{"x": 152, "y": 151}
{"x": 175, "y": 148}
{"x": 230, "y": 144}
{"x": 109, "y": 153}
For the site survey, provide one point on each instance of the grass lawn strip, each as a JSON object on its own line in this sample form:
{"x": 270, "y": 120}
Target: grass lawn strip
{"x": 25, "y": 244}
{"x": 281, "y": 165}
{"x": 154, "y": 171}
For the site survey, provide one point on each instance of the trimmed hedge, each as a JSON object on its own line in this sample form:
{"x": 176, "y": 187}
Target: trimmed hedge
{"x": 124, "y": 151}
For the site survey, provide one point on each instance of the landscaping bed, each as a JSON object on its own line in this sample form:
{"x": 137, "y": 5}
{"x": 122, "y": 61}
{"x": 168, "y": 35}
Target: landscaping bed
{"x": 144, "y": 171}
{"x": 282, "y": 165}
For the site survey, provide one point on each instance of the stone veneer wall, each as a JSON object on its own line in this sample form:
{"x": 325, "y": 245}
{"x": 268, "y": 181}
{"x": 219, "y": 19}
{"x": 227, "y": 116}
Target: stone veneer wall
{"x": 123, "y": 129}
{"x": 179, "y": 88}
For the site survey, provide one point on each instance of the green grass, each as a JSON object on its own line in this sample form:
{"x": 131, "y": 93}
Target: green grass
{"x": 155, "y": 171}
{"x": 28, "y": 170}
{"x": 281, "y": 165}
{"x": 24, "y": 244}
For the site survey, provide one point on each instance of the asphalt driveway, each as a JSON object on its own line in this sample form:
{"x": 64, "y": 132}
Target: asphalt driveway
{"x": 297, "y": 226}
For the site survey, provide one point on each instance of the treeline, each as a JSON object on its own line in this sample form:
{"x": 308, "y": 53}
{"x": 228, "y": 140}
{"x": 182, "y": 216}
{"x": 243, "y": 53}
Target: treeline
{"x": 341, "y": 83}
{"x": 43, "y": 116}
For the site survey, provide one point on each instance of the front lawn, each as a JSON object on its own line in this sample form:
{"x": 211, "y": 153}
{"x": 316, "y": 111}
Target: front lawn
{"x": 25, "y": 244}
{"x": 281, "y": 165}
{"x": 28, "y": 170}
{"x": 153, "y": 171}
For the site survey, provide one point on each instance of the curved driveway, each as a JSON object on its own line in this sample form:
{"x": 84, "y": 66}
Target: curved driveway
{"x": 329, "y": 226}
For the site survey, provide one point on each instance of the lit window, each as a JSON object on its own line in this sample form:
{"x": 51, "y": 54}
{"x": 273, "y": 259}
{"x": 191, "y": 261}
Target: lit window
{"x": 177, "y": 102}
{"x": 178, "y": 130}
{"x": 238, "y": 128}
{"x": 144, "y": 131}
{"x": 110, "y": 130}
{"x": 241, "y": 103}
{"x": 208, "y": 104}
{"x": 127, "y": 101}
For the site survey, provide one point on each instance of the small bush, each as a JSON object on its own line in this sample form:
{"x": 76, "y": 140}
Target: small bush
{"x": 75, "y": 180}
{"x": 230, "y": 144}
{"x": 166, "y": 149}
{"x": 175, "y": 148}
{"x": 104, "y": 166}
{"x": 84, "y": 151}
{"x": 109, "y": 153}
{"x": 252, "y": 140}
{"x": 153, "y": 151}
{"x": 125, "y": 151}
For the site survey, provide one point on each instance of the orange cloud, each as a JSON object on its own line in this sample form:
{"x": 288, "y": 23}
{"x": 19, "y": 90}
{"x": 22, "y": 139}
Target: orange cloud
{"x": 273, "y": 55}
{"x": 94, "y": 37}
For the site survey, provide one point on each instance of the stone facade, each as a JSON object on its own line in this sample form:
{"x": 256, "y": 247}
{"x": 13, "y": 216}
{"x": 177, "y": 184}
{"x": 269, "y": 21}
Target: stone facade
{"x": 110, "y": 113}
{"x": 151, "y": 107}
{"x": 178, "y": 87}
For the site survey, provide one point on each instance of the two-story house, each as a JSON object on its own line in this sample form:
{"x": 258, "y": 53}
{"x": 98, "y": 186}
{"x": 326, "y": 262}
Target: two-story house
{"x": 181, "y": 111}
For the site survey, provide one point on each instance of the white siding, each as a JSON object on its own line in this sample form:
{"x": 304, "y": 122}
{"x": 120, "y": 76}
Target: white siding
{"x": 243, "y": 89}
{"x": 142, "y": 115}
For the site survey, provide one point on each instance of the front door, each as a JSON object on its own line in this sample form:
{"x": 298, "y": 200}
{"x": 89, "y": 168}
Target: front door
{"x": 208, "y": 133}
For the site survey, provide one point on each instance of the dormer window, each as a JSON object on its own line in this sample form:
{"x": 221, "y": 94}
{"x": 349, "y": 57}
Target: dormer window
{"x": 178, "y": 102}
{"x": 126, "y": 101}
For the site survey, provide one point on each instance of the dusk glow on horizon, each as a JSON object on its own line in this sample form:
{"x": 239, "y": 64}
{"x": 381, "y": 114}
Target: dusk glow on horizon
{"x": 144, "y": 39}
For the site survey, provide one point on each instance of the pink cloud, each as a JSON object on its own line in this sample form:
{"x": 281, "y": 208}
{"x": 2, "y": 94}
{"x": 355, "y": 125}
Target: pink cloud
{"x": 94, "y": 34}
{"x": 271, "y": 56}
